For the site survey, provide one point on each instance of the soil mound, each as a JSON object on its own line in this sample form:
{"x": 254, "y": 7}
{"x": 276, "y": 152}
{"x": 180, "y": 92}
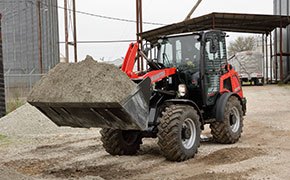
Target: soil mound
{"x": 27, "y": 120}
{"x": 84, "y": 82}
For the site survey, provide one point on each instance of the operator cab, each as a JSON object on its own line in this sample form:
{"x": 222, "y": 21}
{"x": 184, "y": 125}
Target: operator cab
{"x": 196, "y": 55}
{"x": 180, "y": 51}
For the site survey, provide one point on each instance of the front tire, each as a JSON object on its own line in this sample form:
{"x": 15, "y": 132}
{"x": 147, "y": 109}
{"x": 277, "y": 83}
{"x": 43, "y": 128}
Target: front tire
{"x": 179, "y": 132}
{"x": 229, "y": 131}
{"x": 119, "y": 142}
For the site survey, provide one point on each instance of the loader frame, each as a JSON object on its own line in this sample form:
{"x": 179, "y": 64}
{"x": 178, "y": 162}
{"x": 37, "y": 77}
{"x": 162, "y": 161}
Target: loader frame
{"x": 229, "y": 83}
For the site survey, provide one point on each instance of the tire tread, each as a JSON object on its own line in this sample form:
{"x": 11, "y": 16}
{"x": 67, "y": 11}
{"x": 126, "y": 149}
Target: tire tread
{"x": 221, "y": 131}
{"x": 168, "y": 133}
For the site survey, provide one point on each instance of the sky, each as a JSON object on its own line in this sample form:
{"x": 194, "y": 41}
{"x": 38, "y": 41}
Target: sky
{"x": 160, "y": 11}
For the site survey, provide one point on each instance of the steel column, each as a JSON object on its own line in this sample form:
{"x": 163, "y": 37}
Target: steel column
{"x": 267, "y": 60}
{"x": 39, "y": 37}
{"x": 137, "y": 29}
{"x": 281, "y": 53}
{"x": 66, "y": 32}
{"x": 287, "y": 45}
{"x": 271, "y": 58}
{"x": 192, "y": 10}
{"x": 141, "y": 30}
{"x": 75, "y": 31}
{"x": 263, "y": 51}
{"x": 276, "y": 58}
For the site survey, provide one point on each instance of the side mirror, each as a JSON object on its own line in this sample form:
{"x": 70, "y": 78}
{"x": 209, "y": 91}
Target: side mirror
{"x": 162, "y": 41}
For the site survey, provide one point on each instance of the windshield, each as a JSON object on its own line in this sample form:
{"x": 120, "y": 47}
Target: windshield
{"x": 180, "y": 51}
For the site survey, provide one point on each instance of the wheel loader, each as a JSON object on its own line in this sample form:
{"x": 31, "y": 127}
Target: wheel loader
{"x": 186, "y": 85}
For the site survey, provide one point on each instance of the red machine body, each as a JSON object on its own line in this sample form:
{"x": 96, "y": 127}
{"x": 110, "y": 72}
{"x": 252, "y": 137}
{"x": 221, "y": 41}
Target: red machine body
{"x": 234, "y": 79}
{"x": 129, "y": 62}
{"x": 158, "y": 75}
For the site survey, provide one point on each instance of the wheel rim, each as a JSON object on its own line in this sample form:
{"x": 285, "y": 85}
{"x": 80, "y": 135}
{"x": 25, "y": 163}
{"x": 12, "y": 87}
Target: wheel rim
{"x": 188, "y": 133}
{"x": 235, "y": 119}
{"x": 129, "y": 137}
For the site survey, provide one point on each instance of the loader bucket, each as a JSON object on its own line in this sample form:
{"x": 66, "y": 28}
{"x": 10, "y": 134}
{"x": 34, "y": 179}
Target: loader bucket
{"x": 130, "y": 114}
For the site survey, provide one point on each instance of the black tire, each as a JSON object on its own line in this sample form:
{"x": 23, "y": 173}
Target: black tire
{"x": 179, "y": 132}
{"x": 229, "y": 131}
{"x": 256, "y": 82}
{"x": 262, "y": 82}
{"x": 118, "y": 142}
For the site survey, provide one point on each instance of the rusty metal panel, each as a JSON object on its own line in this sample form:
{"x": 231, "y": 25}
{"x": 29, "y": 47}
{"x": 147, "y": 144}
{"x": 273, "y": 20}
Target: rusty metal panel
{"x": 233, "y": 22}
{"x": 282, "y": 7}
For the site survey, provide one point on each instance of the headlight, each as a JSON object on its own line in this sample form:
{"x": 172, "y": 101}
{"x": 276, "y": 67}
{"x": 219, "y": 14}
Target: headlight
{"x": 182, "y": 90}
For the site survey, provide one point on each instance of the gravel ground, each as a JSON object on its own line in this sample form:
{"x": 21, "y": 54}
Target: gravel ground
{"x": 34, "y": 148}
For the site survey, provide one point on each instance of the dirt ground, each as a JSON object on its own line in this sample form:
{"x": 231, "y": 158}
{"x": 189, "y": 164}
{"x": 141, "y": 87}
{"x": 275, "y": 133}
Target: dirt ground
{"x": 262, "y": 153}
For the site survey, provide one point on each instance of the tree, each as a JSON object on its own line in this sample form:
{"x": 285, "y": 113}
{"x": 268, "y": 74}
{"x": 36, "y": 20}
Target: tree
{"x": 248, "y": 43}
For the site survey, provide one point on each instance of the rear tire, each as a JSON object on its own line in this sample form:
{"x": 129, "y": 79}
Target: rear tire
{"x": 229, "y": 131}
{"x": 256, "y": 82}
{"x": 179, "y": 132}
{"x": 262, "y": 82}
{"x": 259, "y": 82}
{"x": 119, "y": 142}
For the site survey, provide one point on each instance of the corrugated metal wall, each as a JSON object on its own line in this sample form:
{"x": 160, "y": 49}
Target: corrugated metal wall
{"x": 282, "y": 7}
{"x": 20, "y": 35}
{"x": 2, "y": 87}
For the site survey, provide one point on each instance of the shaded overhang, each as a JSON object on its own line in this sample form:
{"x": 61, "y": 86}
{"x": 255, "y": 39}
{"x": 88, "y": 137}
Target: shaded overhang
{"x": 230, "y": 22}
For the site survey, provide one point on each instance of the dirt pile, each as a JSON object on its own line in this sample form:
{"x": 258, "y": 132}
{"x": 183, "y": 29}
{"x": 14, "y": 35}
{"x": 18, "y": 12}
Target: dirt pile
{"x": 8, "y": 174}
{"x": 85, "y": 82}
{"x": 27, "y": 120}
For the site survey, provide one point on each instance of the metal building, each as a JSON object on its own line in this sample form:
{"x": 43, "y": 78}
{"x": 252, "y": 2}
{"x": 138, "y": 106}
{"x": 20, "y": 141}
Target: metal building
{"x": 2, "y": 88}
{"x": 30, "y": 40}
{"x": 282, "y": 7}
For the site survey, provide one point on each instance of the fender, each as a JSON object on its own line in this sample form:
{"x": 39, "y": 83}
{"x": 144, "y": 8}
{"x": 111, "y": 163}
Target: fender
{"x": 187, "y": 102}
{"x": 221, "y": 105}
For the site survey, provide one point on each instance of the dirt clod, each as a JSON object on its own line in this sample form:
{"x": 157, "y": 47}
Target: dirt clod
{"x": 31, "y": 166}
{"x": 232, "y": 155}
{"x": 107, "y": 171}
{"x": 218, "y": 176}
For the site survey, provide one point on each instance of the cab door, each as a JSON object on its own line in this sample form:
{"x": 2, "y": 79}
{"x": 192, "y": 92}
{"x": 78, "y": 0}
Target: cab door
{"x": 214, "y": 56}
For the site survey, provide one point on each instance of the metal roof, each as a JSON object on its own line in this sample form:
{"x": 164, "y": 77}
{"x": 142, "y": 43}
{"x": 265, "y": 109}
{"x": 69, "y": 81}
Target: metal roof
{"x": 231, "y": 22}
